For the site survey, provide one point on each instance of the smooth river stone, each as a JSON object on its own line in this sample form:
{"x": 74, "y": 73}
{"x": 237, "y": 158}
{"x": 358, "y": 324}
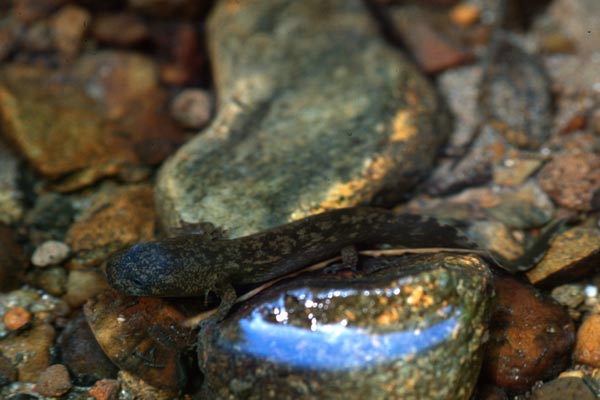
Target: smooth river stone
{"x": 315, "y": 112}
{"x": 412, "y": 330}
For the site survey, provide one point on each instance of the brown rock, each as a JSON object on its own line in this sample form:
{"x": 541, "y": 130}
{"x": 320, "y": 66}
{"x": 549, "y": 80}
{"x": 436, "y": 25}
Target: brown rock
{"x": 572, "y": 254}
{"x": 50, "y": 218}
{"x": 12, "y": 260}
{"x": 562, "y": 389}
{"x": 82, "y": 354}
{"x": 183, "y": 8}
{"x": 105, "y": 389}
{"x": 69, "y": 26}
{"x": 16, "y": 318}
{"x": 432, "y": 50}
{"x": 60, "y": 129}
{"x": 8, "y": 373}
{"x": 83, "y": 285}
{"x": 36, "y": 343}
{"x": 515, "y": 171}
{"x": 54, "y": 381}
{"x": 530, "y": 337}
{"x": 186, "y": 55}
{"x": 141, "y": 335}
{"x": 573, "y": 180}
{"x": 490, "y": 392}
{"x": 114, "y": 221}
{"x": 51, "y": 280}
{"x": 139, "y": 389}
{"x": 28, "y": 11}
{"x": 587, "y": 346}
{"x": 122, "y": 29}
{"x": 8, "y": 37}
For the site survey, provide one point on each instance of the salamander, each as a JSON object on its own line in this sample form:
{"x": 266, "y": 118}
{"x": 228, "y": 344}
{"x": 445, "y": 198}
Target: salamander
{"x": 192, "y": 265}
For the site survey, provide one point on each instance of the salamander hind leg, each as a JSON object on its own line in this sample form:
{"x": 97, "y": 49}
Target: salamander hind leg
{"x": 349, "y": 260}
{"x": 227, "y": 296}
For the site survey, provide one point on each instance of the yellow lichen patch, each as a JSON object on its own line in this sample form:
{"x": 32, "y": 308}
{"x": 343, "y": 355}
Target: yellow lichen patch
{"x": 403, "y": 127}
{"x": 350, "y": 316}
{"x": 348, "y": 194}
{"x": 388, "y": 317}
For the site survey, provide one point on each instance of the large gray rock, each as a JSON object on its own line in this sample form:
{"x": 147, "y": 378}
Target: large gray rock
{"x": 315, "y": 112}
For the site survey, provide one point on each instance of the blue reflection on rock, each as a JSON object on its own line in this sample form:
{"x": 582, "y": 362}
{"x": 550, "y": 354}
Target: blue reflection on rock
{"x": 336, "y": 347}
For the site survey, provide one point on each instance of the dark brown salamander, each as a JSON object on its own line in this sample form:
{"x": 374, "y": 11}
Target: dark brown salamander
{"x": 191, "y": 265}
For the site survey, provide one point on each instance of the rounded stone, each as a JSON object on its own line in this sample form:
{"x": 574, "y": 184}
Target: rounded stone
{"x": 192, "y": 108}
{"x": 54, "y": 381}
{"x": 51, "y": 252}
{"x": 384, "y": 335}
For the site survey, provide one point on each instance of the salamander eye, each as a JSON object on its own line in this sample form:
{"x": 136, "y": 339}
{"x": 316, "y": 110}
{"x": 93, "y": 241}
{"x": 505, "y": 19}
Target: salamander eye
{"x": 138, "y": 282}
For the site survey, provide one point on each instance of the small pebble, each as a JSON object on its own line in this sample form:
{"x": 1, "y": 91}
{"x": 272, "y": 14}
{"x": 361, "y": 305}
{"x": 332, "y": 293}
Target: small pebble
{"x": 465, "y": 14}
{"x": 192, "y": 108}
{"x": 51, "y": 252}
{"x": 573, "y": 180}
{"x": 82, "y": 285}
{"x": 51, "y": 280}
{"x": 587, "y": 346}
{"x": 15, "y": 318}
{"x": 54, "y": 381}
{"x": 69, "y": 25}
{"x": 105, "y": 389}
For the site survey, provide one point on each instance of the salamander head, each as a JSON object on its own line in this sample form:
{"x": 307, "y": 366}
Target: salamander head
{"x": 145, "y": 269}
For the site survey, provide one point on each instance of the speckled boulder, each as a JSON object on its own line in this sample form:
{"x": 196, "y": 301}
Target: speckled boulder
{"x": 413, "y": 330}
{"x": 315, "y": 112}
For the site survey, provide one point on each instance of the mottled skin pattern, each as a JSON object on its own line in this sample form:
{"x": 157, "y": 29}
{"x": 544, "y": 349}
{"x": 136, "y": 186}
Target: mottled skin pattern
{"x": 191, "y": 265}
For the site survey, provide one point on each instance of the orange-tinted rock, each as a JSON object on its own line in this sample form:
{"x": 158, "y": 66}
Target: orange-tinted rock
{"x": 465, "y": 14}
{"x": 142, "y": 335}
{"x": 105, "y": 389}
{"x": 114, "y": 221}
{"x": 36, "y": 343}
{"x": 587, "y": 347}
{"x": 54, "y": 381}
{"x": 530, "y": 337}
{"x": 91, "y": 120}
{"x": 572, "y": 254}
{"x": 573, "y": 180}
{"x": 123, "y": 29}
{"x": 16, "y": 318}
